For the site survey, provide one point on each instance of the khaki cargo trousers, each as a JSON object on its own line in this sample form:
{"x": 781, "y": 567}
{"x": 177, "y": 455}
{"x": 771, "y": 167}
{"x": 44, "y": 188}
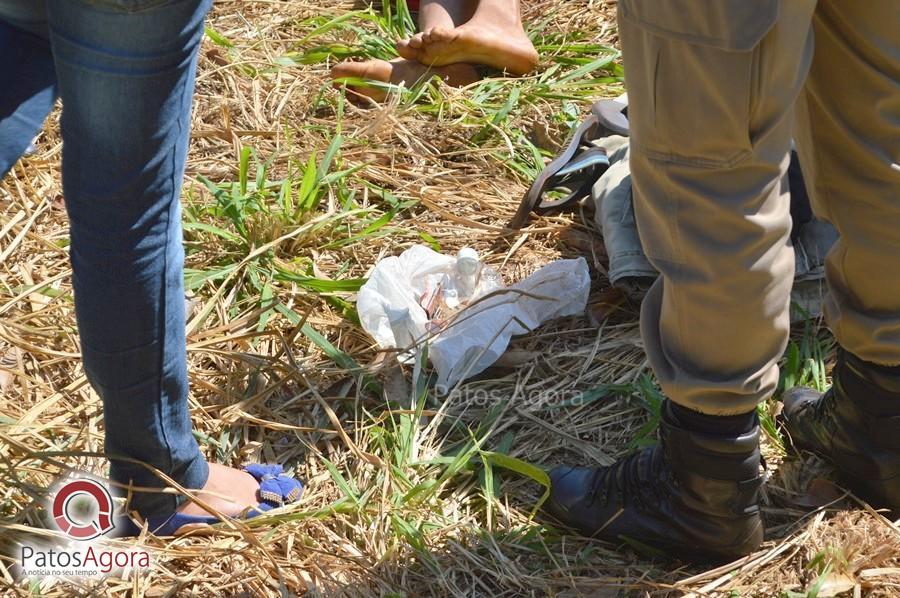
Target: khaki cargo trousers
{"x": 717, "y": 89}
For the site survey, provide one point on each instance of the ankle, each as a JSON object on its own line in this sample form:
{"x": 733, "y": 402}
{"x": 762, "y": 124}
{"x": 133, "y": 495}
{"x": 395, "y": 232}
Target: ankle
{"x": 488, "y": 14}
{"x": 715, "y": 425}
{"x": 696, "y": 446}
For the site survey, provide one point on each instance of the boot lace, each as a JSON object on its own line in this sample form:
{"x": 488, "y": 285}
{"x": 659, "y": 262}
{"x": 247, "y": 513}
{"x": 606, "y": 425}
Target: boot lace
{"x": 642, "y": 479}
{"x": 822, "y": 411}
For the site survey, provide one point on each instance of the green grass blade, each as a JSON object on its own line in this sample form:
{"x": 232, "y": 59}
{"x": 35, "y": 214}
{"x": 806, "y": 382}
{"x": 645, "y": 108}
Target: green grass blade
{"x": 522, "y": 468}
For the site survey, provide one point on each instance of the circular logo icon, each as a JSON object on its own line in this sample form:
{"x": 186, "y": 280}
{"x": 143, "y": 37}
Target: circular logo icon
{"x": 83, "y": 509}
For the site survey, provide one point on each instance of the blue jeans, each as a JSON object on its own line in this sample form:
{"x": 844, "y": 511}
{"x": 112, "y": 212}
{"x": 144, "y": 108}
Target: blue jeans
{"x": 125, "y": 71}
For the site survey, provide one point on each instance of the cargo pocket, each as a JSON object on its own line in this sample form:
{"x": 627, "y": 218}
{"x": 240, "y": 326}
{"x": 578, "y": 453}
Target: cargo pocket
{"x": 731, "y": 25}
{"x": 692, "y": 72}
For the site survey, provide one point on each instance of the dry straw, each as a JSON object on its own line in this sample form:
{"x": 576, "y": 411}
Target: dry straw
{"x": 408, "y": 493}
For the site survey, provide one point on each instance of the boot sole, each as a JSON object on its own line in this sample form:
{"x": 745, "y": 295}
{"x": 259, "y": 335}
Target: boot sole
{"x": 749, "y": 544}
{"x": 677, "y": 552}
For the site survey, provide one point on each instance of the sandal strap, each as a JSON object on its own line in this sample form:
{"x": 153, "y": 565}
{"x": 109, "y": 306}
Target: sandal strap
{"x": 535, "y": 193}
{"x": 275, "y": 488}
{"x": 580, "y": 162}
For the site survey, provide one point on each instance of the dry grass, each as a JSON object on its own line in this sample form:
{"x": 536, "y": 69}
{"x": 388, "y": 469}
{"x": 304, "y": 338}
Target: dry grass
{"x": 387, "y": 509}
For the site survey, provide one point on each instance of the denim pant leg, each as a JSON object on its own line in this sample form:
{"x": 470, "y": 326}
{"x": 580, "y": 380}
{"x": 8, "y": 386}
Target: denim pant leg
{"x": 125, "y": 71}
{"x": 29, "y": 86}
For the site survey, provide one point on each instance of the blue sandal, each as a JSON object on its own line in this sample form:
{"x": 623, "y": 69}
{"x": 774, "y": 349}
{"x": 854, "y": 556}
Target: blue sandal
{"x": 276, "y": 489}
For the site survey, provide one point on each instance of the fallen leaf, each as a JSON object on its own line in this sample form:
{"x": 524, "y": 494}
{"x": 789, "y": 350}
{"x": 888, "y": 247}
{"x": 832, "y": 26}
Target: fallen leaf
{"x": 8, "y": 361}
{"x": 515, "y": 358}
{"x": 542, "y": 137}
{"x": 834, "y": 584}
{"x": 191, "y": 306}
{"x": 217, "y": 57}
{"x": 5, "y": 381}
{"x": 583, "y": 242}
{"x": 879, "y": 572}
{"x": 396, "y": 388}
{"x": 605, "y": 304}
{"x": 819, "y": 492}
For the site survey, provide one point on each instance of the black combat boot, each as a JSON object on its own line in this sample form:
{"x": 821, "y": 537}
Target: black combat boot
{"x": 855, "y": 425}
{"x": 694, "y": 495}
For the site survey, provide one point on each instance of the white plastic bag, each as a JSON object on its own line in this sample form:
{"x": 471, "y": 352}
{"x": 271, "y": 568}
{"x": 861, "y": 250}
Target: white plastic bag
{"x": 388, "y": 304}
{"x": 481, "y": 333}
{"x": 477, "y": 335}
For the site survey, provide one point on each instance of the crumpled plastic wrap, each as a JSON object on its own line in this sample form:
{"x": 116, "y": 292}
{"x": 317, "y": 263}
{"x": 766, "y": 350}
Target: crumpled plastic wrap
{"x": 478, "y": 333}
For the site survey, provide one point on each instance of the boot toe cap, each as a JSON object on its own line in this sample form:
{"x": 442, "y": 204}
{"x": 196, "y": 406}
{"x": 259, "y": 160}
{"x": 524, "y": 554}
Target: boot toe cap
{"x": 568, "y": 488}
{"x": 797, "y": 399}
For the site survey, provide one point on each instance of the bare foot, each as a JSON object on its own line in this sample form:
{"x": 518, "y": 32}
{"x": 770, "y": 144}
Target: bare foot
{"x": 398, "y": 71}
{"x": 229, "y": 491}
{"x": 411, "y": 48}
{"x": 480, "y": 41}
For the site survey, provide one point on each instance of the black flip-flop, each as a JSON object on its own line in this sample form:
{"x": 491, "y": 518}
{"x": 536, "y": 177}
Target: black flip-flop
{"x": 579, "y": 165}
